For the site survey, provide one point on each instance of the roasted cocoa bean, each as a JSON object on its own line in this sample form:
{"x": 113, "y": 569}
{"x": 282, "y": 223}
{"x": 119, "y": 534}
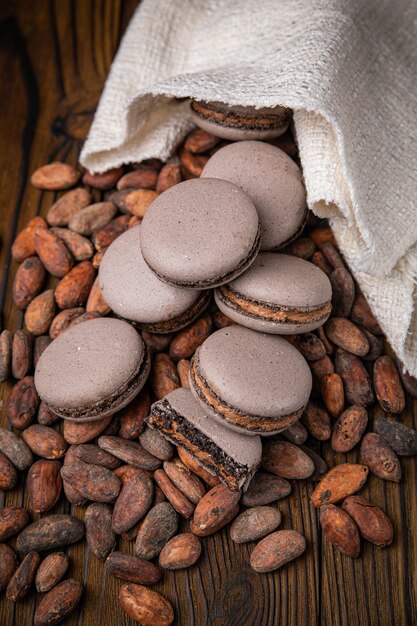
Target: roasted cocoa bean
{"x": 28, "y": 281}
{"x": 12, "y": 520}
{"x": 192, "y": 165}
{"x": 143, "y": 179}
{"x": 92, "y": 481}
{"x": 163, "y": 377}
{"x": 21, "y": 353}
{"x": 51, "y": 570}
{"x": 20, "y": 582}
{"x": 356, "y": 381}
{"x": 183, "y": 369}
{"x": 193, "y": 464}
{"x": 132, "y": 417}
{"x": 145, "y": 606}
{"x": 180, "y": 503}
{"x": 129, "y": 451}
{"x": 8, "y": 475}
{"x": 296, "y": 433}
{"x": 58, "y": 603}
{"x": 218, "y": 507}
{"x": 340, "y": 529}
{"x": 156, "y": 444}
{"x": 388, "y": 388}
{"x": 345, "y": 334}
{"x": 343, "y": 288}
{"x": 104, "y": 180}
{"x": 381, "y": 459}
{"x": 98, "y": 530}
{"x": 361, "y": 314}
{"x": 333, "y": 394}
{"x": 187, "y": 482}
{"x": 255, "y": 523}
{"x": 317, "y": 421}
{"x": 55, "y": 176}
{"x": 265, "y": 488}
{"x": 62, "y": 321}
{"x": 15, "y": 449}
{"x": 80, "y": 247}
{"x": 75, "y": 433}
{"x": 303, "y": 247}
{"x": 50, "y": 532}
{"x": 132, "y": 569}
{"x": 180, "y": 552}
{"x": 24, "y": 245}
{"x": 45, "y": 415}
{"x": 134, "y": 201}
{"x": 44, "y": 485}
{"x": 45, "y": 441}
{"x": 104, "y": 236}
{"x": 276, "y": 550}
{"x": 401, "y": 438}
{"x": 92, "y": 453}
{"x": 157, "y": 343}
{"x": 8, "y": 565}
{"x": 372, "y": 522}
{"x": 199, "y": 141}
{"x": 6, "y": 342}
{"x": 286, "y": 460}
{"x": 73, "y": 290}
{"x": 159, "y": 525}
{"x": 68, "y": 205}
{"x": 41, "y": 343}
{"x": 341, "y": 481}
{"x": 349, "y": 428}
{"x": 134, "y": 500}
{"x": 22, "y": 403}
{"x": 310, "y": 346}
{"x": 320, "y": 466}
{"x": 40, "y": 313}
{"x": 52, "y": 251}
{"x": 92, "y": 217}
{"x": 187, "y": 341}
{"x": 169, "y": 176}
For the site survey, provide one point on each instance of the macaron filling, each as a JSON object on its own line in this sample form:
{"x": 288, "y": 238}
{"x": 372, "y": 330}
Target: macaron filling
{"x": 176, "y": 323}
{"x": 110, "y": 403}
{"x": 180, "y": 431}
{"x": 233, "y": 119}
{"x": 253, "y": 423}
{"x": 272, "y": 312}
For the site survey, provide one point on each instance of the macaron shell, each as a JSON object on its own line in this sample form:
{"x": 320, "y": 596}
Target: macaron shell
{"x": 201, "y": 232}
{"x": 255, "y": 373}
{"x": 88, "y": 362}
{"x": 133, "y": 291}
{"x": 273, "y": 182}
{"x": 239, "y": 446}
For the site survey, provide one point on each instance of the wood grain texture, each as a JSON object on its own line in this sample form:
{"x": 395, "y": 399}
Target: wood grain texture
{"x": 54, "y": 58}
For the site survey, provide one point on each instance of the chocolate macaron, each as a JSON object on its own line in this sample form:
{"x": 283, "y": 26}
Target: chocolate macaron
{"x": 200, "y": 233}
{"x": 279, "y": 294}
{"x": 135, "y": 293}
{"x": 231, "y": 456}
{"x": 238, "y": 122}
{"x": 92, "y": 370}
{"x": 253, "y": 382}
{"x": 274, "y": 183}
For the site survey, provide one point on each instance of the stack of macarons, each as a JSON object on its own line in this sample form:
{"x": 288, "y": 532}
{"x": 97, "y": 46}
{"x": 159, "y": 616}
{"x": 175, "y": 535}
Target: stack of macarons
{"x": 217, "y": 234}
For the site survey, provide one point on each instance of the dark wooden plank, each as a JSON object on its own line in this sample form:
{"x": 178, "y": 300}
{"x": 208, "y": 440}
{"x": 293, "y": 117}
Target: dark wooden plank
{"x": 53, "y": 64}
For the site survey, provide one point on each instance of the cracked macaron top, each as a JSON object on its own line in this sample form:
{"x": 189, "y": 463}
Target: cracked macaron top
{"x": 256, "y": 382}
{"x": 200, "y": 233}
{"x": 279, "y": 294}
{"x": 237, "y": 122}
{"x": 272, "y": 180}
{"x": 135, "y": 293}
{"x": 92, "y": 370}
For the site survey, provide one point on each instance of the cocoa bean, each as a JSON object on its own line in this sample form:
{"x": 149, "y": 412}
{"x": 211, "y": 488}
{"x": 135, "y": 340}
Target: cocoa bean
{"x": 72, "y": 291}
{"x": 145, "y": 606}
{"x": 104, "y": 236}
{"x": 409, "y": 382}
{"x": 98, "y": 530}
{"x": 45, "y": 441}
{"x": 22, "y": 403}
{"x": 45, "y": 415}
{"x": 75, "y": 433}
{"x": 8, "y": 565}
{"x": 310, "y": 346}
{"x": 388, "y": 389}
{"x": 84, "y": 317}
{"x": 144, "y": 179}
{"x": 347, "y": 335}
{"x": 41, "y": 343}
{"x": 192, "y": 165}
{"x": 156, "y": 444}
{"x": 303, "y": 247}
{"x": 200, "y": 141}
{"x": 349, "y": 428}
{"x": 296, "y": 433}
{"x": 180, "y": 503}
{"x": 51, "y": 570}
{"x": 132, "y": 417}
{"x": 62, "y": 321}
{"x": 44, "y": 485}
{"x": 356, "y": 380}
{"x": 68, "y": 205}
{"x": 52, "y": 251}
{"x": 376, "y": 346}
{"x": 58, "y": 603}
{"x": 92, "y": 481}
{"x": 6, "y": 342}
{"x": 80, "y": 247}
{"x": 15, "y": 449}
{"x": 180, "y": 552}
{"x": 372, "y": 522}
{"x": 341, "y": 481}
{"x": 221, "y": 320}
{"x": 134, "y": 201}
{"x": 265, "y": 488}
{"x": 40, "y": 313}
{"x": 169, "y": 176}
{"x": 187, "y": 341}
{"x": 276, "y": 550}
{"x": 286, "y": 460}
{"x": 21, "y": 353}
{"x": 12, "y": 520}
{"x": 28, "y": 281}
{"x": 320, "y": 466}
{"x": 187, "y": 482}
{"x": 381, "y": 459}
{"x": 317, "y": 421}
{"x": 321, "y": 235}
{"x": 255, "y": 523}
{"x": 322, "y": 367}
{"x": 401, "y": 438}
{"x": 71, "y": 492}
{"x": 92, "y": 453}
{"x": 216, "y": 509}
{"x": 163, "y": 377}
{"x": 20, "y": 582}
{"x": 132, "y": 569}
{"x": 97, "y": 258}
{"x": 183, "y": 369}
{"x": 340, "y": 529}
{"x": 332, "y": 255}
{"x": 333, "y": 394}
{"x": 103, "y": 180}
{"x": 8, "y": 475}
{"x": 361, "y": 314}
{"x": 343, "y": 289}
{"x": 92, "y": 217}
{"x": 133, "y": 502}
{"x": 321, "y": 262}
{"x": 157, "y": 343}
{"x": 321, "y": 333}
{"x": 55, "y": 176}
{"x": 50, "y": 532}
{"x": 192, "y": 463}
{"x": 24, "y": 245}
{"x": 159, "y": 525}
{"x": 130, "y": 452}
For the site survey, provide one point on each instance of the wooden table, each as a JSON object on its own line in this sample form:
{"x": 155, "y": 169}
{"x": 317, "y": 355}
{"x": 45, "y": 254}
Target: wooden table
{"x": 55, "y": 56}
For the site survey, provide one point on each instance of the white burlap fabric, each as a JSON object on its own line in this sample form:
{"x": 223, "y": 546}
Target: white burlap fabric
{"x": 348, "y": 68}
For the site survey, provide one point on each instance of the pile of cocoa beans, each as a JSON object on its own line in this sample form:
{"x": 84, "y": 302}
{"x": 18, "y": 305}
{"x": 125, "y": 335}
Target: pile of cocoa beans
{"x": 128, "y": 479}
